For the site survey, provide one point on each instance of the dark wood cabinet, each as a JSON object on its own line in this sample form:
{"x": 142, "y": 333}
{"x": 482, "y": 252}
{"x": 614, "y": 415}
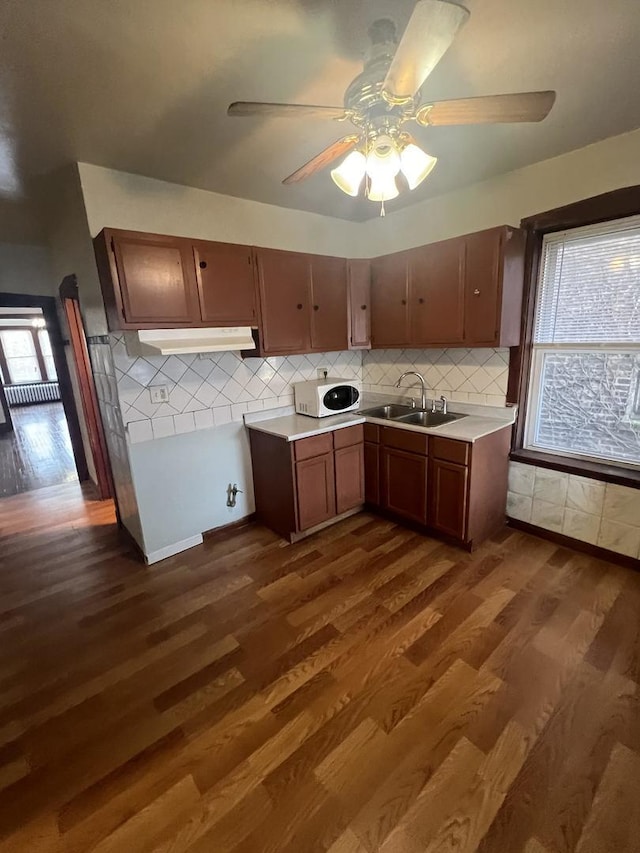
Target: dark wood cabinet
{"x": 226, "y": 284}
{"x": 494, "y": 274}
{"x": 156, "y": 282}
{"x": 329, "y": 320}
{"x": 372, "y": 473}
{"x": 300, "y": 485}
{"x": 315, "y": 490}
{"x": 284, "y": 280}
{"x": 448, "y": 497}
{"x": 390, "y": 300}
{"x": 349, "y": 473}
{"x": 404, "y": 484}
{"x": 436, "y": 293}
{"x": 359, "y": 303}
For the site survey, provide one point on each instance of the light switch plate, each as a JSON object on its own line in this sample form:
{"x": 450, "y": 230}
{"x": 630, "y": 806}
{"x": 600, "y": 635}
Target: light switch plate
{"x": 159, "y": 393}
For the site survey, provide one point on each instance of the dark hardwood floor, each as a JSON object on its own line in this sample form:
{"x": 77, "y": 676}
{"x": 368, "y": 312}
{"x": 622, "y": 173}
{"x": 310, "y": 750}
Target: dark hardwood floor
{"x": 38, "y": 452}
{"x": 366, "y": 690}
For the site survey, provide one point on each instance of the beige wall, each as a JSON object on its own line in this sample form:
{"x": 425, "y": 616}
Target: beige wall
{"x": 121, "y": 200}
{"x": 26, "y": 269}
{"x": 506, "y": 199}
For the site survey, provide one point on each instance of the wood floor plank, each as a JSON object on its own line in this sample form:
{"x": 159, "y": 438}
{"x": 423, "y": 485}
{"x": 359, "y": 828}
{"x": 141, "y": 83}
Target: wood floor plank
{"x": 368, "y": 689}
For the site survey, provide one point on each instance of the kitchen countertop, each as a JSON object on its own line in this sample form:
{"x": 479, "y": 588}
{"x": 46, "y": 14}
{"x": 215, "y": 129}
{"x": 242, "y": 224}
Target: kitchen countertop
{"x": 293, "y": 427}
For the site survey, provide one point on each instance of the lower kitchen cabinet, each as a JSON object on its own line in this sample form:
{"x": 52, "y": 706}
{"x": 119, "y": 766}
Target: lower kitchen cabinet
{"x": 300, "y": 485}
{"x": 448, "y": 497}
{"x": 404, "y": 484}
{"x": 315, "y": 490}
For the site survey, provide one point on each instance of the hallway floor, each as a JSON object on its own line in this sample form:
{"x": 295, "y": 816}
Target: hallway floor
{"x": 369, "y": 689}
{"x": 38, "y": 452}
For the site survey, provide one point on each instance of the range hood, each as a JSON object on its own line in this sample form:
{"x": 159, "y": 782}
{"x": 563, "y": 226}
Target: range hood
{"x": 179, "y": 341}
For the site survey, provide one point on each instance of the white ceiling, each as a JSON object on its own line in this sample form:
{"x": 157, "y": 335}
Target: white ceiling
{"x": 142, "y": 86}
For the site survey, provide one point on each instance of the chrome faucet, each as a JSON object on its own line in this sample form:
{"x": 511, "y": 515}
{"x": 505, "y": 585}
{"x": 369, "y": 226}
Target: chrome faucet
{"x": 423, "y": 402}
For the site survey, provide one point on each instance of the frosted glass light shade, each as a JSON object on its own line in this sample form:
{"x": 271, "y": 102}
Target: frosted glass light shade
{"x": 349, "y": 174}
{"x": 416, "y": 164}
{"x": 383, "y": 160}
{"x": 383, "y": 188}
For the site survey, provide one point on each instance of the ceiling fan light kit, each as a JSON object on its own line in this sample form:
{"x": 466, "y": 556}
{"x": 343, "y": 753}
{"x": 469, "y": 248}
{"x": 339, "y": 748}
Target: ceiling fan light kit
{"x": 387, "y": 95}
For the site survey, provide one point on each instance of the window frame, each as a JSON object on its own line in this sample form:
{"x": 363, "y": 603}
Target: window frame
{"x": 42, "y": 365}
{"x": 617, "y": 204}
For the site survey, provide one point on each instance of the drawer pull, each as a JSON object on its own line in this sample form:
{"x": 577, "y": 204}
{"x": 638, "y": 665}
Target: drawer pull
{"x": 203, "y": 265}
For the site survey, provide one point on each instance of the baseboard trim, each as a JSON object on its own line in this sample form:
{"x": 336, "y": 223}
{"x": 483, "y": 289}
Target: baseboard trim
{"x": 576, "y": 544}
{"x": 173, "y": 549}
{"x": 226, "y": 529}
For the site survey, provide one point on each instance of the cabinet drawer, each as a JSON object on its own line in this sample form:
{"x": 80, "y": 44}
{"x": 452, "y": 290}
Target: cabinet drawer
{"x": 306, "y": 448}
{"x": 402, "y": 439}
{"x": 372, "y": 433}
{"x": 450, "y": 450}
{"x": 348, "y": 436}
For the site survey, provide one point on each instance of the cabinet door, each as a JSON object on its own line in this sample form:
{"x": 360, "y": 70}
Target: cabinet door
{"x": 359, "y": 280}
{"x": 285, "y": 287}
{"x": 226, "y": 284}
{"x": 329, "y": 321}
{"x": 372, "y": 473}
{"x": 156, "y": 280}
{"x": 315, "y": 490}
{"x": 448, "y": 497}
{"x": 404, "y": 484}
{"x": 436, "y": 288}
{"x": 483, "y": 287}
{"x": 389, "y": 296}
{"x": 349, "y": 468}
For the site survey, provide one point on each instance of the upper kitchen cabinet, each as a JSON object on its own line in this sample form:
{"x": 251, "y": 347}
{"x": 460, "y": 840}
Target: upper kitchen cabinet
{"x": 148, "y": 280}
{"x": 494, "y": 276}
{"x": 284, "y": 281}
{"x": 359, "y": 304}
{"x": 329, "y": 320}
{"x": 226, "y": 284}
{"x": 436, "y": 294}
{"x": 389, "y": 300}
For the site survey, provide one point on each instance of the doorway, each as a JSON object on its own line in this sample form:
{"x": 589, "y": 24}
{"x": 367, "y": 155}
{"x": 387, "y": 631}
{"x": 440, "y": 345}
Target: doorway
{"x": 40, "y": 438}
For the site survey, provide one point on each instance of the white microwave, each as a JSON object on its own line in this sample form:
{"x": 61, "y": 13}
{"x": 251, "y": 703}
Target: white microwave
{"x": 322, "y": 397}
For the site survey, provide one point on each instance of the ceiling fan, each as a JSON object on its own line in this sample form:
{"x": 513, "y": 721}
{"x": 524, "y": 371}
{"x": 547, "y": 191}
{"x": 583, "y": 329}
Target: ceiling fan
{"x": 386, "y": 96}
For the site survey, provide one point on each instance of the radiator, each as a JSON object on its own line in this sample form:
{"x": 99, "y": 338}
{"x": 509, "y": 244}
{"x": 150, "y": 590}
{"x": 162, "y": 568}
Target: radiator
{"x": 34, "y": 392}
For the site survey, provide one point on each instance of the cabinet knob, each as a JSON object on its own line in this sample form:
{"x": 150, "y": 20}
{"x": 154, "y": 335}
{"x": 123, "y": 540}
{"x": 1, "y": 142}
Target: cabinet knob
{"x": 203, "y": 265}
{"x": 315, "y": 307}
{"x": 404, "y": 301}
{"x": 421, "y": 300}
{"x": 299, "y": 306}
{"x": 363, "y": 307}
{"x": 476, "y": 292}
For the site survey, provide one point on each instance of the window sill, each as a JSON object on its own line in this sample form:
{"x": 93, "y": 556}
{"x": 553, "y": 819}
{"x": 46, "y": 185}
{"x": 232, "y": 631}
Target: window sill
{"x": 593, "y": 470}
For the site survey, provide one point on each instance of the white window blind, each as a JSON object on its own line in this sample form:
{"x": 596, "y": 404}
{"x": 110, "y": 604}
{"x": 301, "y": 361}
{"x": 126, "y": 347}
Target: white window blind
{"x": 589, "y": 288}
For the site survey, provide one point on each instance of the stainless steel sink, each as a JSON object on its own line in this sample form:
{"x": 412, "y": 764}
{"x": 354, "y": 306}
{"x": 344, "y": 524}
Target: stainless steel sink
{"x": 429, "y": 419}
{"x": 388, "y": 413}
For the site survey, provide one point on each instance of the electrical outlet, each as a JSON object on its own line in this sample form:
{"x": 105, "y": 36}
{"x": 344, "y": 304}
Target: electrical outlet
{"x": 159, "y": 393}
{"x": 322, "y": 372}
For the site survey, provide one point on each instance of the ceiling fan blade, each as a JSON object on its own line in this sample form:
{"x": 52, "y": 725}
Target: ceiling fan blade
{"x": 431, "y": 29}
{"x": 257, "y": 108}
{"x": 324, "y": 158}
{"x": 487, "y": 109}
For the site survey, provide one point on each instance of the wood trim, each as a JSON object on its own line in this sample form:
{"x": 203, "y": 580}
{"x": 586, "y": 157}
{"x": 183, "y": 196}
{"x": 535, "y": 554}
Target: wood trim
{"x": 616, "y": 204}
{"x": 50, "y": 314}
{"x": 234, "y": 527}
{"x": 594, "y": 470}
{"x": 589, "y": 211}
{"x": 576, "y": 544}
{"x": 86, "y": 385}
{"x": 7, "y": 425}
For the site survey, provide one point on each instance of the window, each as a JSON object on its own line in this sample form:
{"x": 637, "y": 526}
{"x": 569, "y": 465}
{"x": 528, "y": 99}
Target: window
{"x": 584, "y": 393}
{"x": 20, "y": 354}
{"x": 47, "y": 355}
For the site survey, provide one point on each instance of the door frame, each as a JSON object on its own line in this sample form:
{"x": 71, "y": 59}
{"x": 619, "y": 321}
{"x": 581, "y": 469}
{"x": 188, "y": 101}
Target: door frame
{"x": 50, "y": 313}
{"x": 70, "y": 301}
{"x": 7, "y": 425}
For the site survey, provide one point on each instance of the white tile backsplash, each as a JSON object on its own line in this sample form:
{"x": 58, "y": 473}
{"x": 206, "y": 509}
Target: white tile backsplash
{"x": 212, "y": 389}
{"x": 462, "y": 375}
